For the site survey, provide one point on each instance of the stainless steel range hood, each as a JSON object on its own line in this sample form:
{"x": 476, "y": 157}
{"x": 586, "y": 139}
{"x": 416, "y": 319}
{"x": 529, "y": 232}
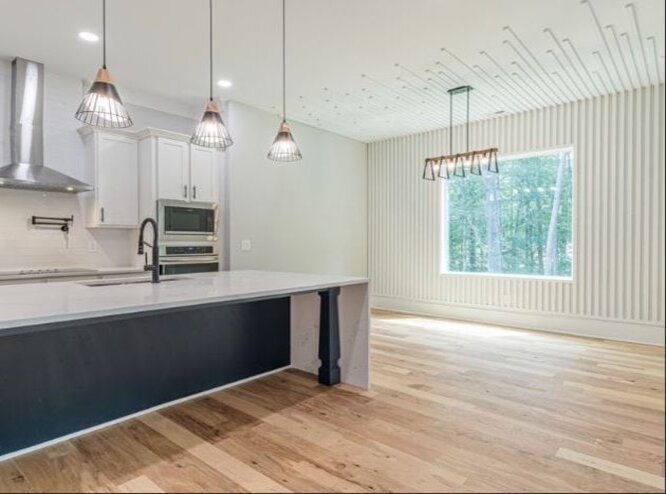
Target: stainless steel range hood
{"x": 27, "y": 170}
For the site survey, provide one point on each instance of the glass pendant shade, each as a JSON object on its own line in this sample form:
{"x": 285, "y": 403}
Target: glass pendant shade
{"x": 284, "y": 146}
{"x": 493, "y": 166}
{"x": 211, "y": 131}
{"x": 102, "y": 106}
{"x": 446, "y": 168}
{"x": 475, "y": 163}
{"x": 431, "y": 170}
{"x": 459, "y": 167}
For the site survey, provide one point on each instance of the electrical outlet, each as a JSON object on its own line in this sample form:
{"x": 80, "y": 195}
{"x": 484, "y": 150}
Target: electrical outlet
{"x": 246, "y": 245}
{"x": 92, "y": 246}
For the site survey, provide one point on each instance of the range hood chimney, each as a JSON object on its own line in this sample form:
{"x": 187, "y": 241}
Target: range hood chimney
{"x": 27, "y": 170}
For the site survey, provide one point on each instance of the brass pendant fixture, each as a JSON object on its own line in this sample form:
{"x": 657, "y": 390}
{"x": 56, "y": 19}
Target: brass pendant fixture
{"x": 460, "y": 164}
{"x": 284, "y": 148}
{"x": 102, "y": 106}
{"x": 211, "y": 131}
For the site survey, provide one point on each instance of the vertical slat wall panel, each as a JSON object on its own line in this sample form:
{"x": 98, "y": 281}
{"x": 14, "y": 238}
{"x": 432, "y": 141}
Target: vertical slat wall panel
{"x": 618, "y": 212}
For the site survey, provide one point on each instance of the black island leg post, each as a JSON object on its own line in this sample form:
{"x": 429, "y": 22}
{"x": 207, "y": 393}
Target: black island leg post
{"x": 329, "y": 337}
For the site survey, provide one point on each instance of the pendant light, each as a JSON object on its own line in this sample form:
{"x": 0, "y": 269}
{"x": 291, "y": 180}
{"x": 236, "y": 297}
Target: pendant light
{"x": 211, "y": 131}
{"x": 102, "y": 106}
{"x": 459, "y": 164}
{"x": 284, "y": 146}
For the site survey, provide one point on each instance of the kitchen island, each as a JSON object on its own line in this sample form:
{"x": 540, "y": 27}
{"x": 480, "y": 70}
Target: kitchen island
{"x": 76, "y": 356}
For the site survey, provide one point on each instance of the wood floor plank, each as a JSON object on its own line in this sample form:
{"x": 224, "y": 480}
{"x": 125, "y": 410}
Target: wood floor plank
{"x": 454, "y": 407}
{"x": 177, "y": 470}
{"x": 139, "y": 484}
{"x": 623, "y": 471}
{"x": 231, "y": 467}
{"x": 64, "y": 469}
{"x": 12, "y": 479}
{"x": 652, "y": 402}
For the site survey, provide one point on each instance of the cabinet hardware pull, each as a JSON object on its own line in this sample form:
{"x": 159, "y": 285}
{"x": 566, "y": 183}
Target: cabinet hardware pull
{"x": 194, "y": 190}
{"x": 101, "y": 213}
{"x": 185, "y": 191}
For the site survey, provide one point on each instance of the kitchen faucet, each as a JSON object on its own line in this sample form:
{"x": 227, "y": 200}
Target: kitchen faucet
{"x": 155, "y": 266}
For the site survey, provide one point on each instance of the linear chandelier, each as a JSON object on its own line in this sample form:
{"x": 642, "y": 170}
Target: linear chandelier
{"x": 460, "y": 164}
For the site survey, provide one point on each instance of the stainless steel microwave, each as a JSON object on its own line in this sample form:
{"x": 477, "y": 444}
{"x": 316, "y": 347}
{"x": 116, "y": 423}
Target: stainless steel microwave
{"x": 187, "y": 221}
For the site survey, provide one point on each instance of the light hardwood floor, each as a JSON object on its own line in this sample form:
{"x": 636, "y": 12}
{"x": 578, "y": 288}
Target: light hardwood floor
{"x": 453, "y": 407}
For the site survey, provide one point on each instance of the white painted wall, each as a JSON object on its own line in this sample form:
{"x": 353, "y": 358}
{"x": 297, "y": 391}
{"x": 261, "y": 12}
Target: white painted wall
{"x": 22, "y": 246}
{"x": 309, "y": 216}
{"x": 618, "y": 286}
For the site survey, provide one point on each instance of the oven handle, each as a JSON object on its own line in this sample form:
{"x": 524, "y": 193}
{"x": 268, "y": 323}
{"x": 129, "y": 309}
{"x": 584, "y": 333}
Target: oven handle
{"x": 202, "y": 234}
{"x": 190, "y": 260}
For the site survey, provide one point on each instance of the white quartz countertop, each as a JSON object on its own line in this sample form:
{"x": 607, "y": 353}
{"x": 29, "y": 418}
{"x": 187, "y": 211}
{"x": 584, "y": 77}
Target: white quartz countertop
{"x": 36, "y": 303}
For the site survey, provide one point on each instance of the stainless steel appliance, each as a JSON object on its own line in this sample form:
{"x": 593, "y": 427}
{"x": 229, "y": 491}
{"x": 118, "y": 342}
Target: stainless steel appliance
{"x": 183, "y": 221}
{"x": 182, "y": 258}
{"x": 27, "y": 170}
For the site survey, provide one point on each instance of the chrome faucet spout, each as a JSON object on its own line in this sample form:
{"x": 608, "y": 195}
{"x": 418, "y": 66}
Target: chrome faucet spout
{"x": 155, "y": 266}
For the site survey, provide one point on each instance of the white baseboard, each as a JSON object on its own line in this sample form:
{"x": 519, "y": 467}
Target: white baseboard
{"x": 607, "y": 329}
{"x": 60, "y": 439}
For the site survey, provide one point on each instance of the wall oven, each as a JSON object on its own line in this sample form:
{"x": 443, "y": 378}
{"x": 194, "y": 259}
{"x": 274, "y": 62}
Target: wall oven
{"x": 182, "y": 259}
{"x": 187, "y": 221}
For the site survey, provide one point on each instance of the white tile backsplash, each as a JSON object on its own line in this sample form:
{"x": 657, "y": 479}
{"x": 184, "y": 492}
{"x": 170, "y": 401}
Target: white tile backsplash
{"x": 23, "y": 245}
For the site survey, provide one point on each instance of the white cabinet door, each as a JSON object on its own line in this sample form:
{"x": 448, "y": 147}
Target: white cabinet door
{"x": 173, "y": 164}
{"x": 203, "y": 174}
{"x": 117, "y": 181}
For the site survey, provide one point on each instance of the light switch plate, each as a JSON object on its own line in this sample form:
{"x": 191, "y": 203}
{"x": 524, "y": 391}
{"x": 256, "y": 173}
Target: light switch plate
{"x": 246, "y": 245}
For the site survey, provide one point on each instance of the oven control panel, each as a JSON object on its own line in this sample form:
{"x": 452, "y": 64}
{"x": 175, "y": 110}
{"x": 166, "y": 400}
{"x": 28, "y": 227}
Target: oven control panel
{"x": 185, "y": 250}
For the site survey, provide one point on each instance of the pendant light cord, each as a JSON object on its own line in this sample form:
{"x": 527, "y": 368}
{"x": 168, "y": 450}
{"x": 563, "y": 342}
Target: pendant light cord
{"x": 467, "y": 122}
{"x": 104, "y": 34}
{"x": 284, "y": 60}
{"x": 450, "y": 123}
{"x": 210, "y": 30}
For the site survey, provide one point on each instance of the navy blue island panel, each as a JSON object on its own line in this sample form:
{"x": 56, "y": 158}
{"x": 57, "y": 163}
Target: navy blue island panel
{"x": 60, "y": 378}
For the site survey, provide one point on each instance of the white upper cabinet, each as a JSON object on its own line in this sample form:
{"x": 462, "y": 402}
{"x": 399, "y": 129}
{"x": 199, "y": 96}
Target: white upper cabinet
{"x": 131, "y": 171}
{"x": 117, "y": 181}
{"x": 112, "y": 162}
{"x": 170, "y": 167}
{"x": 173, "y": 169}
{"x": 203, "y": 174}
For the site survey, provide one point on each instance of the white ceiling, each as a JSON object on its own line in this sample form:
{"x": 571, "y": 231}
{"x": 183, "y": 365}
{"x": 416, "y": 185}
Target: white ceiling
{"x": 368, "y": 69}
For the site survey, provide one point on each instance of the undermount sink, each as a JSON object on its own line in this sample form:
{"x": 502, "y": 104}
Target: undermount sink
{"x": 126, "y": 282}
{"x": 47, "y": 271}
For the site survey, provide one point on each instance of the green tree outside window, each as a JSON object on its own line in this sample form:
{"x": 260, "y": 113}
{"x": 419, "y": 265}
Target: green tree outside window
{"x": 516, "y": 222}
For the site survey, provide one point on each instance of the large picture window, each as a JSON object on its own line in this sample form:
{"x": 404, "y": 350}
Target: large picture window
{"x": 517, "y": 222}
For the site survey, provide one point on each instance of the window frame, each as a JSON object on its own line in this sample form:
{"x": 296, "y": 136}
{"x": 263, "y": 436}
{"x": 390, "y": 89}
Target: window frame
{"x": 444, "y": 222}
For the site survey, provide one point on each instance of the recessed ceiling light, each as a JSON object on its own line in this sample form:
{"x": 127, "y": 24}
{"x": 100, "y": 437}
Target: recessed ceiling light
{"x": 224, "y": 83}
{"x": 88, "y": 36}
